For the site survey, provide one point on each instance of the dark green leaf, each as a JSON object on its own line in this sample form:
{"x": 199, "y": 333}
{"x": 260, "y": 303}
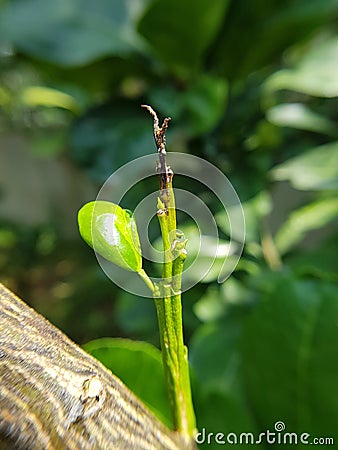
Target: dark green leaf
{"x": 72, "y": 32}
{"x": 180, "y": 31}
{"x": 111, "y": 231}
{"x": 289, "y": 355}
{"x": 196, "y": 110}
{"x": 102, "y": 141}
{"x": 319, "y": 262}
{"x": 219, "y": 399}
{"x": 135, "y": 316}
{"x": 139, "y": 366}
{"x": 254, "y": 33}
{"x": 220, "y": 374}
{"x": 218, "y": 412}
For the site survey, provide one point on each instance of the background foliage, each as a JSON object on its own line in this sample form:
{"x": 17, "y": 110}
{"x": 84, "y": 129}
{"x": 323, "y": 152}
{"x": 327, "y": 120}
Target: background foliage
{"x": 252, "y": 87}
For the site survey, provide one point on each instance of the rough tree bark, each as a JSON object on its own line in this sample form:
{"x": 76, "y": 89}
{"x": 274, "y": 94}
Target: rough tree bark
{"x": 53, "y": 395}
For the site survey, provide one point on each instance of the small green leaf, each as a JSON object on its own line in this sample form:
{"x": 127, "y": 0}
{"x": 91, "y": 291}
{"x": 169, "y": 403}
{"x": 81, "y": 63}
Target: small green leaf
{"x": 111, "y": 231}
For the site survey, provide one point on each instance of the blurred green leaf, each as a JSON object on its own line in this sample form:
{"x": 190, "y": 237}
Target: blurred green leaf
{"x": 215, "y": 361}
{"x": 220, "y": 374}
{"x": 254, "y": 210}
{"x": 197, "y": 109}
{"x": 235, "y": 292}
{"x": 48, "y": 143}
{"x": 314, "y": 169}
{"x": 180, "y": 32}
{"x": 231, "y": 75}
{"x": 316, "y": 73}
{"x": 320, "y": 262}
{"x": 217, "y": 412}
{"x": 210, "y": 307}
{"x": 110, "y": 136}
{"x": 261, "y": 31}
{"x": 136, "y": 316}
{"x": 111, "y": 231}
{"x": 217, "y": 300}
{"x": 72, "y": 32}
{"x": 8, "y": 238}
{"x": 289, "y": 355}
{"x": 139, "y": 366}
{"x": 207, "y": 256}
{"x": 266, "y": 135}
{"x": 44, "y": 96}
{"x": 297, "y": 115}
{"x": 205, "y": 103}
{"x": 310, "y": 217}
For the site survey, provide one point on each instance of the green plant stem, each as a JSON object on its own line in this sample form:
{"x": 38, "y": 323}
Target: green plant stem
{"x": 142, "y": 273}
{"x": 169, "y": 312}
{"x": 168, "y": 295}
{"x": 189, "y": 415}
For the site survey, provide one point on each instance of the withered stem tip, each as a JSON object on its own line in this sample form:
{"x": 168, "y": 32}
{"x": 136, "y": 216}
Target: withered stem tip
{"x": 159, "y": 132}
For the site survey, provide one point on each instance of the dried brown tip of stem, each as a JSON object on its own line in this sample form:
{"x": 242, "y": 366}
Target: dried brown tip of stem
{"x": 152, "y": 112}
{"x": 159, "y": 132}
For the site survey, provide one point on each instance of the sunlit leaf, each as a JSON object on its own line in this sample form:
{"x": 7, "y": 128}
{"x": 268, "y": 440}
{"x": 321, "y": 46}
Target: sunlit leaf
{"x": 297, "y": 115}
{"x": 211, "y": 306}
{"x": 254, "y": 210}
{"x": 208, "y": 256}
{"x": 310, "y": 217}
{"x": 217, "y": 300}
{"x": 316, "y": 73}
{"x": 111, "y": 231}
{"x": 315, "y": 169}
{"x": 44, "y": 96}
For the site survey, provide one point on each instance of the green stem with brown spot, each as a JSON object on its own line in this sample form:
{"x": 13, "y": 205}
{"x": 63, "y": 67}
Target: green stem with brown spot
{"x": 168, "y": 302}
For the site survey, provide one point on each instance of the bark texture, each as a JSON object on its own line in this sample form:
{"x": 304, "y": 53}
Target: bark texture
{"x": 53, "y": 395}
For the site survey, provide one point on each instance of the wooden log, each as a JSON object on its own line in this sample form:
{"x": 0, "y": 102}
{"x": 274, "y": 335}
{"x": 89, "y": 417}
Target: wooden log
{"x": 53, "y": 395}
